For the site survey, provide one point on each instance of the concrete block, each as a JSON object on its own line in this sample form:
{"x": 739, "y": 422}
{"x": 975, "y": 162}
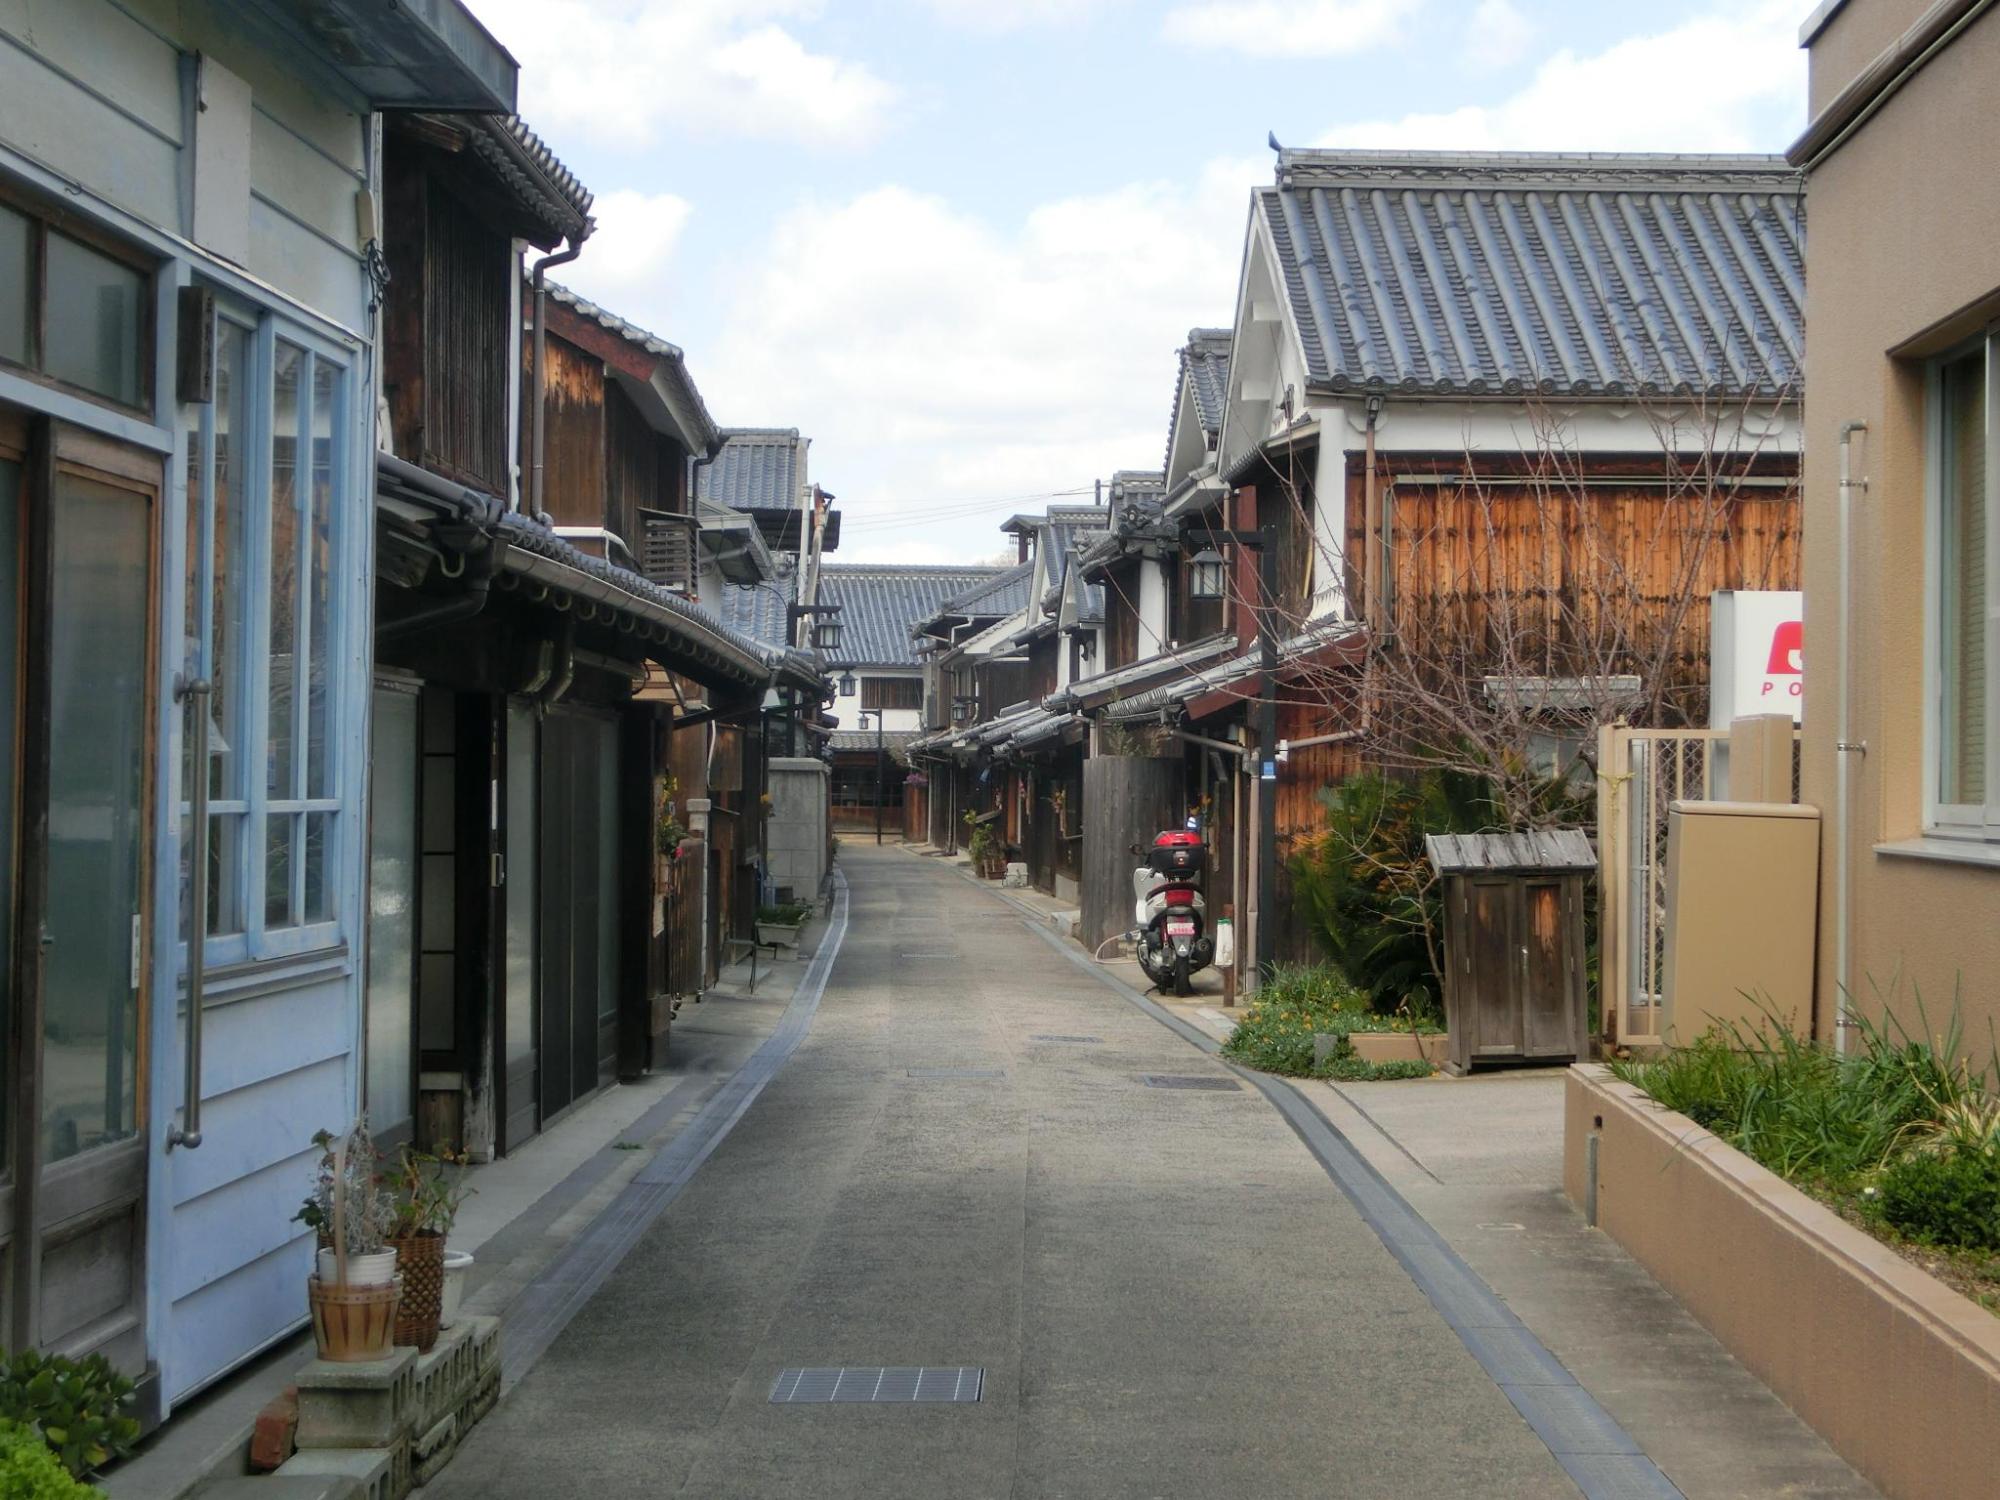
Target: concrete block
{"x": 485, "y": 1333}
{"x": 445, "y": 1376}
{"x": 367, "y": 1473}
{"x": 357, "y": 1406}
{"x": 431, "y": 1451}
{"x": 283, "y": 1486}
{"x": 1016, "y": 878}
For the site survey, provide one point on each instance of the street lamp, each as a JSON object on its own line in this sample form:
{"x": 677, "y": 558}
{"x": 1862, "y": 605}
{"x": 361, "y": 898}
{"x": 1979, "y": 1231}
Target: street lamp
{"x": 847, "y": 684}
{"x": 880, "y": 715}
{"x": 1205, "y": 574}
{"x": 826, "y": 624}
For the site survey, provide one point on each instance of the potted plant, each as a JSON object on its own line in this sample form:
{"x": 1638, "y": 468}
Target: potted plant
{"x": 779, "y": 926}
{"x": 353, "y": 1297}
{"x": 425, "y": 1198}
{"x": 984, "y": 850}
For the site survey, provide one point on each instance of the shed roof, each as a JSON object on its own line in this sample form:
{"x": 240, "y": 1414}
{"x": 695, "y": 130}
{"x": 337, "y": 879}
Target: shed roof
{"x": 757, "y": 468}
{"x": 1544, "y": 849}
{"x": 1004, "y": 592}
{"x": 879, "y": 605}
{"x": 1496, "y": 273}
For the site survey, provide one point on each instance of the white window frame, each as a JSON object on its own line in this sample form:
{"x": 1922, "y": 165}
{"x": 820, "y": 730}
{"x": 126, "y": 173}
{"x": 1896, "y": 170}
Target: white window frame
{"x": 1972, "y": 821}
{"x": 257, "y": 940}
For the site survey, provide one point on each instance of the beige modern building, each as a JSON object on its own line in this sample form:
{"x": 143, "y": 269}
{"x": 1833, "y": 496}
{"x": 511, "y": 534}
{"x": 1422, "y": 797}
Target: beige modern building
{"x": 1902, "y": 564}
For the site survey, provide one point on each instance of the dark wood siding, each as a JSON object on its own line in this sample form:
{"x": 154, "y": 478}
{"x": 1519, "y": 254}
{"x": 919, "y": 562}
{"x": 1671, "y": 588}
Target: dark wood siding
{"x": 573, "y": 447}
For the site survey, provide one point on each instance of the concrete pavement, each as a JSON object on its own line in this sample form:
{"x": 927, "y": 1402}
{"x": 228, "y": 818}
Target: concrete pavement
{"x": 963, "y": 1164}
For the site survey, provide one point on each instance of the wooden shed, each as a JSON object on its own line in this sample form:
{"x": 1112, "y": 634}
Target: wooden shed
{"x": 1515, "y": 984}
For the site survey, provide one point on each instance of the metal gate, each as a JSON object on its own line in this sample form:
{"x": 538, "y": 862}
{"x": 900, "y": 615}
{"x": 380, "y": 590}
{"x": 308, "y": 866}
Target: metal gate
{"x": 1642, "y": 773}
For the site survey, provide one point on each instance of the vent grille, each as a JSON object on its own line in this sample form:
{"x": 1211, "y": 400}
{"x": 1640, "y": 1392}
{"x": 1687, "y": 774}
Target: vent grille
{"x": 899, "y": 1384}
{"x": 1056, "y": 1036}
{"x": 666, "y": 550}
{"x": 1180, "y": 1081}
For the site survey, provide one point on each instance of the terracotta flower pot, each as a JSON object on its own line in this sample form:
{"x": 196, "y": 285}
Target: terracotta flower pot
{"x": 352, "y": 1324}
{"x": 420, "y": 1264}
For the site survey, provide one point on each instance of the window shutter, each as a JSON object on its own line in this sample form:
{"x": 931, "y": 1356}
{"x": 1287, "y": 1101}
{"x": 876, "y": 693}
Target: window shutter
{"x": 667, "y": 550}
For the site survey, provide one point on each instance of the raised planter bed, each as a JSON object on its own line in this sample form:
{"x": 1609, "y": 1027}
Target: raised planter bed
{"x": 1401, "y": 1046}
{"x": 779, "y": 934}
{"x": 1897, "y": 1371}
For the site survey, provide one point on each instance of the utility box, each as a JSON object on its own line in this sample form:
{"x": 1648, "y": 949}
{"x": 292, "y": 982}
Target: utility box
{"x": 1742, "y": 900}
{"x": 1515, "y": 984}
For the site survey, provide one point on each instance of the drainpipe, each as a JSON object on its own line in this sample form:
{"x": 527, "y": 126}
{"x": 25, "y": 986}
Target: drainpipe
{"x": 573, "y": 247}
{"x": 1371, "y": 523}
{"x": 1844, "y": 745}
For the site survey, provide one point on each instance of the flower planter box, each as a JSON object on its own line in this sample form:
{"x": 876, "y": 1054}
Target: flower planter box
{"x": 1401, "y": 1046}
{"x": 779, "y": 934}
{"x": 1898, "y": 1372}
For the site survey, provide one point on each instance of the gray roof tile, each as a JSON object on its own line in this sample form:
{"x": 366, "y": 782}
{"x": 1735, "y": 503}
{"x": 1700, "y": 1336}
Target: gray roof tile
{"x": 1503, "y": 273}
{"x": 670, "y": 354}
{"x": 758, "y": 468}
{"x": 879, "y": 604}
{"x": 995, "y": 597}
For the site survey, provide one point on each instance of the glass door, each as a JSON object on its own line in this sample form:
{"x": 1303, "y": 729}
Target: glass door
{"x": 393, "y": 859}
{"x": 80, "y": 779}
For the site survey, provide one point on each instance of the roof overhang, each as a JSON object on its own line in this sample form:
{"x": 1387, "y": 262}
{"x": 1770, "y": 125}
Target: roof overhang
{"x": 411, "y": 54}
{"x": 737, "y": 546}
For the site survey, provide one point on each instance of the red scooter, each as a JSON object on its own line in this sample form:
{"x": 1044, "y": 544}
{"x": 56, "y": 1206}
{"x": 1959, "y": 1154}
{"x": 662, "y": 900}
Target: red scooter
{"x": 1172, "y": 937}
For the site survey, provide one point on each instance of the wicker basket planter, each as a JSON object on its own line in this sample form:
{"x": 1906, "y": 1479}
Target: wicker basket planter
{"x": 353, "y": 1324}
{"x": 420, "y": 1262}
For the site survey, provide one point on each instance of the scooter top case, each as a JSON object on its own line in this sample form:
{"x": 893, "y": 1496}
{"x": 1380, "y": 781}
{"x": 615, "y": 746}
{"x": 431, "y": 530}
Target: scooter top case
{"x": 1178, "y": 852}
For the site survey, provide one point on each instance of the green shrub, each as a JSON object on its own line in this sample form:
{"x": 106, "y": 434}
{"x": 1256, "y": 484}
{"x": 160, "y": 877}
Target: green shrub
{"x": 29, "y": 1471}
{"x": 1351, "y": 1069}
{"x": 1947, "y": 1198}
{"x": 791, "y": 914}
{"x": 1300, "y": 1001}
{"x": 78, "y": 1407}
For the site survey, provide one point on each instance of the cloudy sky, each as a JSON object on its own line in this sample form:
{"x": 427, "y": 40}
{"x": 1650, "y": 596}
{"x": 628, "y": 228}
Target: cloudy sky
{"x": 957, "y": 242}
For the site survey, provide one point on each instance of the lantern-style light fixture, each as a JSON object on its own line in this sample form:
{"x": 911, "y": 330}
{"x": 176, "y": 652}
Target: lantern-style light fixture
{"x": 1205, "y": 574}
{"x": 847, "y": 684}
{"x": 826, "y": 633}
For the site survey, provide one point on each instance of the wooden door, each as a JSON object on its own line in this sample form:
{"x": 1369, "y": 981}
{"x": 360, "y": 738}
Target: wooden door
{"x": 1496, "y": 1026}
{"x": 1542, "y": 969}
{"x": 80, "y": 517}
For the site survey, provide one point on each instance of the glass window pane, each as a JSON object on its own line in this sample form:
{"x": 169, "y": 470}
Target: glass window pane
{"x": 10, "y": 633}
{"x": 225, "y": 873}
{"x": 328, "y": 410}
{"x": 92, "y": 324}
{"x": 1962, "y": 624}
{"x": 319, "y": 851}
{"x": 16, "y": 242}
{"x": 392, "y": 901}
{"x": 285, "y": 549}
{"x": 280, "y": 837}
{"x": 229, "y": 635}
{"x": 97, "y": 741}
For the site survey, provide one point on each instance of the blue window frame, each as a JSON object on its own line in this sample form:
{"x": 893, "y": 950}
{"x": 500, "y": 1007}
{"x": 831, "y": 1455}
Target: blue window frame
{"x": 271, "y": 482}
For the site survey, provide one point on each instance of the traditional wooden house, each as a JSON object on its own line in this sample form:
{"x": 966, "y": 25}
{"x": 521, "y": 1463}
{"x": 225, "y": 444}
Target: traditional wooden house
{"x": 966, "y": 680}
{"x": 1494, "y": 407}
{"x": 192, "y": 202}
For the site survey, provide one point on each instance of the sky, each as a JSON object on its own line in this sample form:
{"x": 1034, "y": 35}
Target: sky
{"x": 958, "y": 242}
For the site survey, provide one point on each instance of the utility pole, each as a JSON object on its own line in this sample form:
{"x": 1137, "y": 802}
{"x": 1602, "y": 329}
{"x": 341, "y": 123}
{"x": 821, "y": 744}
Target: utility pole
{"x": 1267, "y": 745}
{"x": 881, "y": 783}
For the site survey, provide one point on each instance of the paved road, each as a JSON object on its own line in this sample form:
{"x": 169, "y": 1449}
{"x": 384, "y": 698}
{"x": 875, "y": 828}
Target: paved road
{"x": 1168, "y": 1295}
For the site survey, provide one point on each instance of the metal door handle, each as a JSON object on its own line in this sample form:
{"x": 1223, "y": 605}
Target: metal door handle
{"x": 195, "y": 692}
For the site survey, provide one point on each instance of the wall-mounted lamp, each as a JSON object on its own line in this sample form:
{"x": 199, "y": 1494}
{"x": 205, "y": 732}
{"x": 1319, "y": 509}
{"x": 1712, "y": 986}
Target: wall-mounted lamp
{"x": 1205, "y": 574}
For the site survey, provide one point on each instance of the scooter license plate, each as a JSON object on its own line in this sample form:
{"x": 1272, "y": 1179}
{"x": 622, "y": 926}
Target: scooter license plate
{"x": 1182, "y": 927}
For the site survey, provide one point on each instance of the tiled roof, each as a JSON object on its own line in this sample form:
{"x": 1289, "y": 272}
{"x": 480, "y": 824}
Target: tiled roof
{"x": 893, "y": 740}
{"x": 1205, "y": 365}
{"x": 707, "y": 434}
{"x": 1068, "y": 531}
{"x": 1233, "y": 670}
{"x": 756, "y": 611}
{"x": 1003, "y": 593}
{"x": 758, "y": 468}
{"x": 1138, "y": 676}
{"x": 1501, "y": 273}
{"x": 879, "y": 604}
{"x": 548, "y": 189}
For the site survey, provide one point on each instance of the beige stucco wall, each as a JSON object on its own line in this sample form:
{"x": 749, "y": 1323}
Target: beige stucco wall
{"x": 1904, "y": 235}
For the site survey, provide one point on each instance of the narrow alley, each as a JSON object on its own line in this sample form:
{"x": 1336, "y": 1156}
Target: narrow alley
{"x": 971, "y": 1161}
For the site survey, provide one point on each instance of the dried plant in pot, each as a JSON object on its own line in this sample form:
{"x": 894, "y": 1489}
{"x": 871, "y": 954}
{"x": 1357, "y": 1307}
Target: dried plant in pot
{"x": 354, "y": 1295}
{"x": 426, "y": 1195}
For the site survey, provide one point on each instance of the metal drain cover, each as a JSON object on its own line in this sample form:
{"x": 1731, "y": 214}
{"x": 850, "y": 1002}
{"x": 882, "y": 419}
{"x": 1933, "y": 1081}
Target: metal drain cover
{"x": 877, "y": 1383}
{"x": 1184, "y": 1081}
{"x": 958, "y": 1072}
{"x": 1051, "y": 1036}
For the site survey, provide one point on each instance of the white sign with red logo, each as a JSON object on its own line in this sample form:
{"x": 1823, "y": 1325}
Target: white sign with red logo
{"x": 1756, "y": 641}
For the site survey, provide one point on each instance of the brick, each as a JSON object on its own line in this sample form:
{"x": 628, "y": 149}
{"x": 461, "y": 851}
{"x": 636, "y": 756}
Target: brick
{"x": 276, "y": 1434}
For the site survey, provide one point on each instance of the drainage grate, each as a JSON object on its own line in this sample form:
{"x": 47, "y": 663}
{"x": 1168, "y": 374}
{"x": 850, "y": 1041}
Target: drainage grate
{"x": 1182, "y": 1081}
{"x": 958, "y": 1072}
{"x": 1051, "y": 1036}
{"x": 875, "y": 1383}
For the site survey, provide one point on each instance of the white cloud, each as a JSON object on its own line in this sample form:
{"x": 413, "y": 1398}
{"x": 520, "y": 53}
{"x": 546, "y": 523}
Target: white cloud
{"x": 939, "y": 360}
{"x": 1497, "y": 35}
{"x": 619, "y": 71}
{"x": 1731, "y": 81}
{"x": 1300, "y": 28}
{"x": 624, "y": 264}
{"x": 1011, "y": 15}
